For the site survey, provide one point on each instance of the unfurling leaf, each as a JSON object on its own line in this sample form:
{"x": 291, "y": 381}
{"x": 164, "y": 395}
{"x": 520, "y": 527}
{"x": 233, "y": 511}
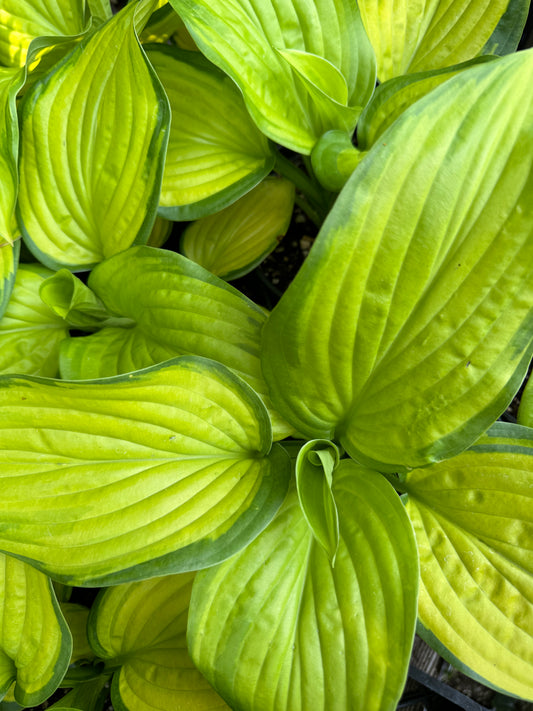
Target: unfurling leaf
{"x": 169, "y": 306}
{"x": 276, "y": 627}
{"x": 315, "y": 465}
{"x": 277, "y": 53}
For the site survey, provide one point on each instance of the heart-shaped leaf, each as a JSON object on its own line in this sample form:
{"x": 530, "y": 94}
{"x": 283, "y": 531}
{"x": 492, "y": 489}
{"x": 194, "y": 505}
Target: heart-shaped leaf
{"x": 21, "y": 21}
{"x": 164, "y": 470}
{"x": 472, "y": 520}
{"x": 408, "y": 329}
{"x": 276, "y": 627}
{"x": 35, "y": 643}
{"x": 215, "y": 151}
{"x": 250, "y": 43}
{"x": 140, "y": 628}
{"x": 92, "y": 156}
{"x": 30, "y": 332}
{"x": 169, "y": 306}
{"x": 235, "y": 240}
{"x": 431, "y": 34}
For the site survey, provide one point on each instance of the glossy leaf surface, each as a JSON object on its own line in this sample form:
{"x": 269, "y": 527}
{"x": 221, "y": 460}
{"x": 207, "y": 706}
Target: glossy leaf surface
{"x": 472, "y": 519}
{"x": 276, "y": 627}
{"x": 21, "y": 21}
{"x": 235, "y": 240}
{"x": 215, "y": 152}
{"x": 141, "y": 628}
{"x": 35, "y": 643}
{"x": 160, "y": 471}
{"x": 408, "y": 329}
{"x": 174, "y": 307}
{"x": 90, "y": 174}
{"x": 249, "y": 43}
{"x": 30, "y": 332}
{"x": 431, "y": 34}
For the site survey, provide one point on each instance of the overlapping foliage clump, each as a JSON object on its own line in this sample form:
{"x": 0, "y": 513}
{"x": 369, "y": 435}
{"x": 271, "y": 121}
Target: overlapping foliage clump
{"x": 272, "y": 502}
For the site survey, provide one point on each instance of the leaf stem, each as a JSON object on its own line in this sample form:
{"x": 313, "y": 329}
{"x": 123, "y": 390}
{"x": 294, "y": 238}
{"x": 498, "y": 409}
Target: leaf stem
{"x": 395, "y": 481}
{"x": 316, "y": 198}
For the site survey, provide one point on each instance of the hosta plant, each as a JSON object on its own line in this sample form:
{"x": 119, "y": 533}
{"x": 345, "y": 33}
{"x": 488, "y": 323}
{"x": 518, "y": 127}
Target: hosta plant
{"x": 207, "y": 503}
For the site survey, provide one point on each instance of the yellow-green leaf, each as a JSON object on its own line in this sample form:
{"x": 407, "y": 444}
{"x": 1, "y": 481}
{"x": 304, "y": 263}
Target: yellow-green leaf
{"x": 407, "y": 331}
{"x": 276, "y": 628}
{"x": 215, "y": 151}
{"x": 233, "y": 241}
{"x": 420, "y": 35}
{"x": 30, "y": 332}
{"x": 93, "y": 139}
{"x": 164, "y": 470}
{"x": 35, "y": 643}
{"x": 21, "y": 21}
{"x": 141, "y": 628}
{"x": 472, "y": 520}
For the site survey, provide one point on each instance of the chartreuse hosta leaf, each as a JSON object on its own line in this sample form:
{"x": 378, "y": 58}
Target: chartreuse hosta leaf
{"x": 431, "y": 34}
{"x": 162, "y": 25}
{"x": 169, "y": 306}
{"x": 11, "y": 80}
{"x": 235, "y": 240}
{"x": 35, "y": 643}
{"x": 9, "y": 257}
{"x": 215, "y": 151}
{"x": 315, "y": 465}
{"x": 21, "y": 21}
{"x": 289, "y": 62}
{"x": 139, "y": 629}
{"x": 473, "y": 524}
{"x": 78, "y": 306}
{"x": 30, "y": 332}
{"x": 395, "y": 96}
{"x": 277, "y": 628}
{"x": 94, "y": 132}
{"x": 76, "y": 617}
{"x": 164, "y": 470}
{"x": 407, "y": 331}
